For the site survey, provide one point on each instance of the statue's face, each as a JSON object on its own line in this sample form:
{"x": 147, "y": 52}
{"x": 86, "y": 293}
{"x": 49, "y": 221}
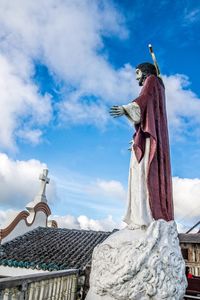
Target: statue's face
{"x": 139, "y": 76}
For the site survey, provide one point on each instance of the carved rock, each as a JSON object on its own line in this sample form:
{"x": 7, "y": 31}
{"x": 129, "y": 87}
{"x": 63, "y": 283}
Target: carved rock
{"x": 139, "y": 265}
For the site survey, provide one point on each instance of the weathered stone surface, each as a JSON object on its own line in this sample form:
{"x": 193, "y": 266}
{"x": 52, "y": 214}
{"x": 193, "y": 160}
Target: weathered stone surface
{"x": 139, "y": 264}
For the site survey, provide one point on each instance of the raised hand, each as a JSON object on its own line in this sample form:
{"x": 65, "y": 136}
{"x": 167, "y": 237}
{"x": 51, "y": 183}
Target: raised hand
{"x": 116, "y": 111}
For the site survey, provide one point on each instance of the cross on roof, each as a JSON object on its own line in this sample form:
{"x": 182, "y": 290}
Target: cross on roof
{"x": 44, "y": 181}
{"x": 41, "y": 196}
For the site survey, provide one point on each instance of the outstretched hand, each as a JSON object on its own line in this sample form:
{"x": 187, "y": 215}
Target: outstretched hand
{"x": 116, "y": 111}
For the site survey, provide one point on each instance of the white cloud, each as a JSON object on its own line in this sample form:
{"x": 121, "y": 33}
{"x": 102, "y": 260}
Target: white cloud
{"x": 33, "y": 136}
{"x": 69, "y": 221}
{"x": 6, "y": 216}
{"x": 85, "y": 223}
{"x": 69, "y": 39}
{"x": 186, "y": 199}
{"x": 183, "y": 105}
{"x": 74, "y": 112}
{"x": 108, "y": 86}
{"x": 21, "y": 107}
{"x": 111, "y": 188}
{"x": 186, "y": 193}
{"x": 107, "y": 224}
{"x": 191, "y": 16}
{"x": 19, "y": 182}
{"x": 86, "y": 189}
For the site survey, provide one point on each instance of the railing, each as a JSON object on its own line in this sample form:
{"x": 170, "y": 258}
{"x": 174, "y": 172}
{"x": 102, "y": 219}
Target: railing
{"x": 59, "y": 285}
{"x": 194, "y": 268}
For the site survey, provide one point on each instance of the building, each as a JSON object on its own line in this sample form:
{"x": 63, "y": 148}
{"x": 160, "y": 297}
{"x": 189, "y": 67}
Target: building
{"x": 190, "y": 247}
{"x": 51, "y": 262}
{"x": 31, "y": 243}
{"x": 36, "y": 214}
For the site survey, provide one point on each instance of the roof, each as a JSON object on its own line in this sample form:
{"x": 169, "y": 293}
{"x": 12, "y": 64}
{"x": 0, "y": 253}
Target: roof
{"x": 51, "y": 249}
{"x": 189, "y": 238}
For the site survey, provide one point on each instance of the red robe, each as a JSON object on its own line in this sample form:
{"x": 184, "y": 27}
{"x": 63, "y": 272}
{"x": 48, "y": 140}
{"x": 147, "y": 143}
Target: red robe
{"x": 153, "y": 125}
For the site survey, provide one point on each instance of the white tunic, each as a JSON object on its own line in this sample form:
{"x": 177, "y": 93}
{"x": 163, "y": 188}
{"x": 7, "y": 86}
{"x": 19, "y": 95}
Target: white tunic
{"x": 138, "y": 211}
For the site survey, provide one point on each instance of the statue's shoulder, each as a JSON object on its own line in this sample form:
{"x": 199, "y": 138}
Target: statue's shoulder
{"x": 154, "y": 81}
{"x": 150, "y": 82}
{"x": 151, "y": 79}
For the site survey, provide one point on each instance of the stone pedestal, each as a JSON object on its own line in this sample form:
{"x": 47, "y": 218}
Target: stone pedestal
{"x": 139, "y": 265}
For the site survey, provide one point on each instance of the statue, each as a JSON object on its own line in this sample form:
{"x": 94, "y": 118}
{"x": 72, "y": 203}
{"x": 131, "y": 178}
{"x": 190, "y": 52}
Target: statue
{"x": 143, "y": 261}
{"x": 150, "y": 185}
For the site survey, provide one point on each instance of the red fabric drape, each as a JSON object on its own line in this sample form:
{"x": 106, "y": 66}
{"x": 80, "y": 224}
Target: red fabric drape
{"x": 154, "y": 125}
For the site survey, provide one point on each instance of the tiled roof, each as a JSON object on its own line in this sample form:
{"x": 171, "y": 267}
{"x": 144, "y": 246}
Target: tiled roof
{"x": 189, "y": 238}
{"x": 59, "y": 248}
{"x": 51, "y": 249}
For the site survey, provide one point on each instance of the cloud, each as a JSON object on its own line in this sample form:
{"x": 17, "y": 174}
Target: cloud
{"x": 19, "y": 182}
{"x": 93, "y": 197}
{"x": 97, "y": 91}
{"x": 186, "y": 194}
{"x": 111, "y": 188}
{"x": 102, "y": 195}
{"x": 33, "y": 136}
{"x": 186, "y": 199}
{"x": 92, "y": 191}
{"x": 19, "y": 185}
{"x": 22, "y": 108}
{"x": 85, "y": 223}
{"x": 74, "y": 112}
{"x": 6, "y": 216}
{"x": 69, "y": 221}
{"x": 191, "y": 16}
{"x": 183, "y": 105}
{"x": 68, "y": 38}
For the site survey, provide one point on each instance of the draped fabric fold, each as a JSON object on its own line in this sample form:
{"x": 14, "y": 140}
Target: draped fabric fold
{"x": 153, "y": 125}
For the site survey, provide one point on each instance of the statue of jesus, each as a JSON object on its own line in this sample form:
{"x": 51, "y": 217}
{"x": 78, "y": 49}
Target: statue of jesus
{"x": 150, "y": 183}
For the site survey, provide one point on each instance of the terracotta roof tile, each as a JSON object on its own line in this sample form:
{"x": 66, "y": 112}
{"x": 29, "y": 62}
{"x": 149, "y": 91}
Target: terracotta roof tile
{"x": 52, "y": 248}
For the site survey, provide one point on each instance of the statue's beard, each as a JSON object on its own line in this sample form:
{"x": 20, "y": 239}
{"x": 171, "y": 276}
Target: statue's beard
{"x": 141, "y": 80}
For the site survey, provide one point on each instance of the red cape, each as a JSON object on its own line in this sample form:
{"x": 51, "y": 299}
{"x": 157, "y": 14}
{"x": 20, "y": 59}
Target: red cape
{"x": 154, "y": 125}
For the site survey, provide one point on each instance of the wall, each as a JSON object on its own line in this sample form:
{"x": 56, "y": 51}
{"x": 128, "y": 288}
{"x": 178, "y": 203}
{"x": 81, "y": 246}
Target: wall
{"x": 21, "y": 227}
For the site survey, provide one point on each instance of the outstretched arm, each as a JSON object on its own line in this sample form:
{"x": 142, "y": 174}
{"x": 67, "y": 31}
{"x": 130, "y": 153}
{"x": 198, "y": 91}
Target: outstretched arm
{"x": 132, "y": 112}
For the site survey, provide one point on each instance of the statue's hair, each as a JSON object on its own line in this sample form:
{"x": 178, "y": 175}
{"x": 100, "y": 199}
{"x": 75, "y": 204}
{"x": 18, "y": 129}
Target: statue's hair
{"x": 147, "y": 68}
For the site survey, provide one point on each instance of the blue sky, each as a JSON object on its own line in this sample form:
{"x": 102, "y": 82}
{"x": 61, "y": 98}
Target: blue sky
{"x": 62, "y": 66}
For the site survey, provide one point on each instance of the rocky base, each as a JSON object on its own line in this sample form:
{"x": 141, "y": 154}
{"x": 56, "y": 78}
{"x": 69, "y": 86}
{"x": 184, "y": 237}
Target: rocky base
{"x": 139, "y": 265}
